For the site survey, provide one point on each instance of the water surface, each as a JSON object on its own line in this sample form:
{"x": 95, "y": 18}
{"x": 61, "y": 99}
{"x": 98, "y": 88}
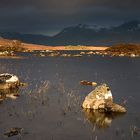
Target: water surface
{"x": 50, "y": 107}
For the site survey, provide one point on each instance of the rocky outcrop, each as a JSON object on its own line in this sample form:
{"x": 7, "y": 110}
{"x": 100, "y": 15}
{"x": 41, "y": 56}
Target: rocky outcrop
{"x": 101, "y": 99}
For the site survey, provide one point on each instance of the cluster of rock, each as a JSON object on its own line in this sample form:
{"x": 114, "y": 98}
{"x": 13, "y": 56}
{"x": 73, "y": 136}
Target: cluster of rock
{"x": 101, "y": 99}
{"x": 108, "y": 52}
{"x": 56, "y": 53}
{"x": 122, "y": 50}
{"x": 7, "y": 53}
{"x": 120, "y": 54}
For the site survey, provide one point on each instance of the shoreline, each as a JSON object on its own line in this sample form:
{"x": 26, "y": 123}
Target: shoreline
{"x": 12, "y": 57}
{"x": 121, "y": 50}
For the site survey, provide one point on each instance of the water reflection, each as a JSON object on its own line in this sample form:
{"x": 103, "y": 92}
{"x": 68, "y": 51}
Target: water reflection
{"x": 8, "y": 93}
{"x": 101, "y": 119}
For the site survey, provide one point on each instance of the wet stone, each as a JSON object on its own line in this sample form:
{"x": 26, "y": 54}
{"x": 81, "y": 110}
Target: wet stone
{"x": 101, "y": 99}
{"x": 13, "y": 131}
{"x": 84, "y": 82}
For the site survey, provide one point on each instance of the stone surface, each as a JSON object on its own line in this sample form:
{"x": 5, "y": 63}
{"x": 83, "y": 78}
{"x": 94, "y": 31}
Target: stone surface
{"x": 101, "y": 99}
{"x": 9, "y": 86}
{"x": 8, "y": 81}
{"x": 84, "y": 82}
{"x": 98, "y": 97}
{"x": 112, "y": 107}
{"x": 13, "y": 131}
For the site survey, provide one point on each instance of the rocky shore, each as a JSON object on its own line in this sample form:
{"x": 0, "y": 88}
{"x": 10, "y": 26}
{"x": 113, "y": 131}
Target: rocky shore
{"x": 10, "y": 47}
{"x": 130, "y": 50}
{"x": 120, "y": 50}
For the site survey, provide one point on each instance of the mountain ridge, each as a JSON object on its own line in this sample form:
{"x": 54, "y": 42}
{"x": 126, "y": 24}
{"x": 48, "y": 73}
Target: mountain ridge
{"x": 82, "y": 34}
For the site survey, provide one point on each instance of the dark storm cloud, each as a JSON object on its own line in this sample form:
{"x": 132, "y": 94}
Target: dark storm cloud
{"x": 45, "y": 16}
{"x": 70, "y": 3}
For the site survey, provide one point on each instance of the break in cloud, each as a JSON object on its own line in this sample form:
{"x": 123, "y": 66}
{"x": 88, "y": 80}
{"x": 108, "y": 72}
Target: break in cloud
{"x": 49, "y": 16}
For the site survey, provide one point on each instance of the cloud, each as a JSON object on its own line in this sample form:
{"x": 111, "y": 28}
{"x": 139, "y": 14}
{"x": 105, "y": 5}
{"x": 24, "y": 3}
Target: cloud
{"x": 69, "y": 5}
{"x": 51, "y": 15}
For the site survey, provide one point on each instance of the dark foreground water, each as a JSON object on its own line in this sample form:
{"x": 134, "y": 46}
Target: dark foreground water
{"x": 50, "y": 107}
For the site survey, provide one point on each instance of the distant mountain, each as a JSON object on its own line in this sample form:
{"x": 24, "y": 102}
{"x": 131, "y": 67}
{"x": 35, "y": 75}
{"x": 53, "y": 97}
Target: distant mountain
{"x": 75, "y": 35}
{"x": 128, "y": 26}
{"x": 128, "y": 32}
{"x": 29, "y": 38}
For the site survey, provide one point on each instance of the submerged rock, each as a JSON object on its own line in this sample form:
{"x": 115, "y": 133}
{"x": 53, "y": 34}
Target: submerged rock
{"x": 101, "y": 99}
{"x": 83, "y": 82}
{"x": 13, "y": 131}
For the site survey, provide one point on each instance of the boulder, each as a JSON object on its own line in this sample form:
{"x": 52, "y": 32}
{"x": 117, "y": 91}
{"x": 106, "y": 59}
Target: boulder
{"x": 9, "y": 81}
{"x": 101, "y": 99}
{"x": 9, "y": 86}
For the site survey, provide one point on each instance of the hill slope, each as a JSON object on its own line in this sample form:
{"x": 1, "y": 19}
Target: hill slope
{"x": 128, "y": 32}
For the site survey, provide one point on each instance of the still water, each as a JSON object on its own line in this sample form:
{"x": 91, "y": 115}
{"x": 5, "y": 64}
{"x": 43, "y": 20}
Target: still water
{"x": 49, "y": 108}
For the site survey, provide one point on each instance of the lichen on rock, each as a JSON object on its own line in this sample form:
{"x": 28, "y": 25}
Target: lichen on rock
{"x": 101, "y": 98}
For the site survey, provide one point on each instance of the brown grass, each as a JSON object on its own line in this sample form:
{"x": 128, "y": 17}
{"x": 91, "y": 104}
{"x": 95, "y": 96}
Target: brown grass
{"x": 15, "y": 45}
{"x": 125, "y": 48}
{"x": 43, "y": 47}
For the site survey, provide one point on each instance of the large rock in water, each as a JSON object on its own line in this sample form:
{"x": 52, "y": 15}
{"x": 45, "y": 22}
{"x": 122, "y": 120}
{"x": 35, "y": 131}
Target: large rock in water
{"x": 101, "y": 99}
{"x": 9, "y": 81}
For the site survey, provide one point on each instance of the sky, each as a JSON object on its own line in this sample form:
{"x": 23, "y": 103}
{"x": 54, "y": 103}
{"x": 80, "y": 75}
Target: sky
{"x": 50, "y": 16}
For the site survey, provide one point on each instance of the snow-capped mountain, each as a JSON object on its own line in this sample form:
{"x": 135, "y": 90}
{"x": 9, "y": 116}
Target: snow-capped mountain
{"x": 81, "y": 34}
